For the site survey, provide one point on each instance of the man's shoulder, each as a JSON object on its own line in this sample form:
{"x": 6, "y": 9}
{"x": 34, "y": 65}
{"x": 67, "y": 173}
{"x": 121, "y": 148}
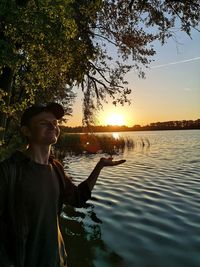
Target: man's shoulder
{"x": 60, "y": 169}
{"x": 58, "y": 165}
{"x": 6, "y": 161}
{"x": 13, "y": 160}
{"x": 57, "y": 162}
{"x": 6, "y": 167}
{"x": 10, "y": 167}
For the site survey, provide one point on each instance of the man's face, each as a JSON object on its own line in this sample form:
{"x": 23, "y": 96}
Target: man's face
{"x": 43, "y": 129}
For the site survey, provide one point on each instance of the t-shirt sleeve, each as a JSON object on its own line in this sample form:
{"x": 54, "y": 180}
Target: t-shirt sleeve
{"x": 76, "y": 195}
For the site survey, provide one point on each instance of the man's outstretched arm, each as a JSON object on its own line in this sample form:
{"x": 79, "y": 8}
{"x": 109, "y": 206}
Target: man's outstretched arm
{"x": 104, "y": 162}
{"x": 78, "y": 195}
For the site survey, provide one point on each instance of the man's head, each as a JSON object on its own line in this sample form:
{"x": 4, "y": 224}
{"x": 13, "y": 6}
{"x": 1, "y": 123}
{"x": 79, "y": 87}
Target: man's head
{"x": 39, "y": 123}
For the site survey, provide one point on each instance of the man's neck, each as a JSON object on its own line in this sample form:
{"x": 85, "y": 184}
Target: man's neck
{"x": 38, "y": 153}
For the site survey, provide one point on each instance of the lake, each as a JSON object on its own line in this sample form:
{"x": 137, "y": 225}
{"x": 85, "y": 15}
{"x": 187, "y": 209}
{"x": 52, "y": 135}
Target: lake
{"x": 144, "y": 213}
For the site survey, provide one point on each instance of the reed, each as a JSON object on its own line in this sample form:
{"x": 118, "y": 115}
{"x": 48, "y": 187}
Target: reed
{"x": 111, "y": 144}
{"x": 92, "y": 144}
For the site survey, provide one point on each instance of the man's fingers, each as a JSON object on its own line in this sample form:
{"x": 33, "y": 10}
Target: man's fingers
{"x": 110, "y": 162}
{"x": 117, "y": 162}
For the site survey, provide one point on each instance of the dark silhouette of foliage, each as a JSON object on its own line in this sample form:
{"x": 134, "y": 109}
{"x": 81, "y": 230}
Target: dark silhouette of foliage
{"x": 167, "y": 125}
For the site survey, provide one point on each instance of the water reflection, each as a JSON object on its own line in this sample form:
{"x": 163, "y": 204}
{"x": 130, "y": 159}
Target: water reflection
{"x": 83, "y": 239}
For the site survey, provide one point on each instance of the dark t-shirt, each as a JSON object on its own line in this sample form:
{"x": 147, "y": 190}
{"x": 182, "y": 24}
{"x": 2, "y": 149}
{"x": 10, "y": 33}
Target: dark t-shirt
{"x": 40, "y": 190}
{"x": 32, "y": 195}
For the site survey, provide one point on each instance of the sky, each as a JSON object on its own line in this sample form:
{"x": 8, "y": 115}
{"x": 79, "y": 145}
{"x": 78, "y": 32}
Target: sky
{"x": 170, "y": 91}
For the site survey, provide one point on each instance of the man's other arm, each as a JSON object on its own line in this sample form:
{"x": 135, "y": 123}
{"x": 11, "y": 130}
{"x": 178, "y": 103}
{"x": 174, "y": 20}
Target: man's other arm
{"x": 5, "y": 261}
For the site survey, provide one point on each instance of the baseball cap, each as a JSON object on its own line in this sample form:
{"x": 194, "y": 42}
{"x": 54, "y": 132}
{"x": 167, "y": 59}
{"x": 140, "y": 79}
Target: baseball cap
{"x": 34, "y": 110}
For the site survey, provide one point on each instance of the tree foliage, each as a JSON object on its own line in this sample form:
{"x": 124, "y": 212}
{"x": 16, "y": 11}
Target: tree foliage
{"x": 129, "y": 28}
{"x": 48, "y": 47}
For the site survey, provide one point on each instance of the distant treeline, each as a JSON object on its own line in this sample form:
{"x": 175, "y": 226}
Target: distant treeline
{"x": 167, "y": 125}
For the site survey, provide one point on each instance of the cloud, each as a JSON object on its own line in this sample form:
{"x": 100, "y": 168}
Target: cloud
{"x": 175, "y": 63}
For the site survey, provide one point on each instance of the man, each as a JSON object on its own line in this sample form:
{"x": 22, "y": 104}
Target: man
{"x": 33, "y": 188}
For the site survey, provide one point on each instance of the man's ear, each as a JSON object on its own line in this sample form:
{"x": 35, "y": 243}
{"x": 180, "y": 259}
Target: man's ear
{"x": 25, "y": 131}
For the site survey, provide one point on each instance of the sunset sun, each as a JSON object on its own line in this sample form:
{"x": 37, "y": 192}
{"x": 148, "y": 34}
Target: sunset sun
{"x": 115, "y": 119}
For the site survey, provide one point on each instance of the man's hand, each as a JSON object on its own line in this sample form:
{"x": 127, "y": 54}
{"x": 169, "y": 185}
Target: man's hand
{"x": 102, "y": 163}
{"x": 109, "y": 162}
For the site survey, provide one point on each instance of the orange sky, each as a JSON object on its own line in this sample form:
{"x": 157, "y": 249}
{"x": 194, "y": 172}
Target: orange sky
{"x": 171, "y": 90}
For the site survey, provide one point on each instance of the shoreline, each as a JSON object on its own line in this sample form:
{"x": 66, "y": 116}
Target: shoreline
{"x": 84, "y": 130}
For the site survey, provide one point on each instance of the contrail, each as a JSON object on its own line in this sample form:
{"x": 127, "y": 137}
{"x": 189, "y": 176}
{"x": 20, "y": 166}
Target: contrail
{"x": 174, "y": 63}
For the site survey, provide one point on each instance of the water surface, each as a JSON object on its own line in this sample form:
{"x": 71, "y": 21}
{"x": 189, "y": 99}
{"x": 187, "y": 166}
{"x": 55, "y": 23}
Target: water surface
{"x": 144, "y": 213}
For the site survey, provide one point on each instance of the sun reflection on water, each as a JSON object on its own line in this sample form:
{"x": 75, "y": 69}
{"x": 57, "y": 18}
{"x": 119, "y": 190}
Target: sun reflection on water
{"x": 115, "y": 135}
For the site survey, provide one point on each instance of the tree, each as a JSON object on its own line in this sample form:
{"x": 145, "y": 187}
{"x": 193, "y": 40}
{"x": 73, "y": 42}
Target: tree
{"x": 131, "y": 27}
{"x": 48, "y": 47}
{"x": 42, "y": 54}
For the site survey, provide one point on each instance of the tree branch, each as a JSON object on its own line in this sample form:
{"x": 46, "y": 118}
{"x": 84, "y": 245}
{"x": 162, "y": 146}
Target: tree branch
{"x": 97, "y": 69}
{"x": 181, "y": 18}
{"x": 103, "y": 37}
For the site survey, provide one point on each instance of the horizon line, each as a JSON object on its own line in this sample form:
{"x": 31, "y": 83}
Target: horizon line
{"x": 143, "y": 125}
